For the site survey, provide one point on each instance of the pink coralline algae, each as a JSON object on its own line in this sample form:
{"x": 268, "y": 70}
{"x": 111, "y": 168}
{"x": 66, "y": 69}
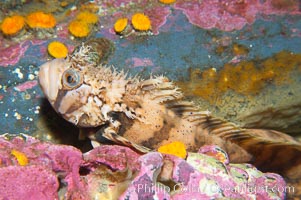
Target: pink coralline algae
{"x": 46, "y": 163}
{"x": 12, "y": 54}
{"x": 118, "y": 158}
{"x": 28, "y": 182}
{"x": 228, "y": 15}
{"x": 139, "y": 62}
{"x": 25, "y": 86}
{"x": 158, "y": 16}
{"x": 121, "y": 173}
{"x": 200, "y": 177}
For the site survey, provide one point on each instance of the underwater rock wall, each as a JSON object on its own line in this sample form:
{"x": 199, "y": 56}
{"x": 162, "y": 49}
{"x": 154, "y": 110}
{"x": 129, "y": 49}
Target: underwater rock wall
{"x": 238, "y": 59}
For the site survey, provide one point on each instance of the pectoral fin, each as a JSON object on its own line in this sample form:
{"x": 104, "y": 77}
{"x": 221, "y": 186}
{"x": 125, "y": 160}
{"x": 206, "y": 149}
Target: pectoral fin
{"x": 123, "y": 141}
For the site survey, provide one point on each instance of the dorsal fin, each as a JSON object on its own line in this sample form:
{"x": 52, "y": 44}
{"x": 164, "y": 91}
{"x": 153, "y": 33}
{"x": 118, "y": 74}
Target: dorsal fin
{"x": 161, "y": 89}
{"x": 193, "y": 114}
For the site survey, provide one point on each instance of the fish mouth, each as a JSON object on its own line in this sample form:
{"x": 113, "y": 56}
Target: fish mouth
{"x": 50, "y": 78}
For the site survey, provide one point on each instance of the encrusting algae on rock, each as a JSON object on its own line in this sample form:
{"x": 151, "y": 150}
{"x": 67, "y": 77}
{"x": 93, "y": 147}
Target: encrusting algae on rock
{"x": 117, "y": 172}
{"x": 215, "y": 152}
{"x": 57, "y": 49}
{"x": 12, "y": 25}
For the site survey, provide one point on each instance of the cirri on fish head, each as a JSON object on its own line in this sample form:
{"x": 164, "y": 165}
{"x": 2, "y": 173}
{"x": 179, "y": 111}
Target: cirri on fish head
{"x": 77, "y": 89}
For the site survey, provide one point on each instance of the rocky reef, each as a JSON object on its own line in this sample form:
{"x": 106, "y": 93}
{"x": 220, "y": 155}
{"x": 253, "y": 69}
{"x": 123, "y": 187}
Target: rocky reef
{"x": 42, "y": 170}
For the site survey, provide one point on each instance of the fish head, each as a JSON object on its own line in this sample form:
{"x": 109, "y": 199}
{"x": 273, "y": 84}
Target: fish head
{"x": 50, "y": 78}
{"x": 70, "y": 94}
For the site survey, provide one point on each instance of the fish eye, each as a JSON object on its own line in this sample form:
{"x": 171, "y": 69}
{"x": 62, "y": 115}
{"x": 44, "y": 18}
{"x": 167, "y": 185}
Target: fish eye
{"x": 71, "y": 79}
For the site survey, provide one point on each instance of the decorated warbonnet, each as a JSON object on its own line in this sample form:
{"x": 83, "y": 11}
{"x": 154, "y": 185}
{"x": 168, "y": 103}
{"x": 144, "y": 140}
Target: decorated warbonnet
{"x": 146, "y": 114}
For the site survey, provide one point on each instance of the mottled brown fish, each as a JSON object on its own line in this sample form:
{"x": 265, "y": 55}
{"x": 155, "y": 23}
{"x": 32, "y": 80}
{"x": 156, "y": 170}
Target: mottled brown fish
{"x": 146, "y": 114}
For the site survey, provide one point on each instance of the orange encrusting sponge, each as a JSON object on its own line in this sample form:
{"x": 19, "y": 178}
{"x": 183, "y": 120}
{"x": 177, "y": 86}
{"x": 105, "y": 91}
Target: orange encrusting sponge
{"x": 21, "y": 157}
{"x": 12, "y": 25}
{"x": 40, "y": 20}
{"x": 175, "y": 148}
{"x": 245, "y": 77}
